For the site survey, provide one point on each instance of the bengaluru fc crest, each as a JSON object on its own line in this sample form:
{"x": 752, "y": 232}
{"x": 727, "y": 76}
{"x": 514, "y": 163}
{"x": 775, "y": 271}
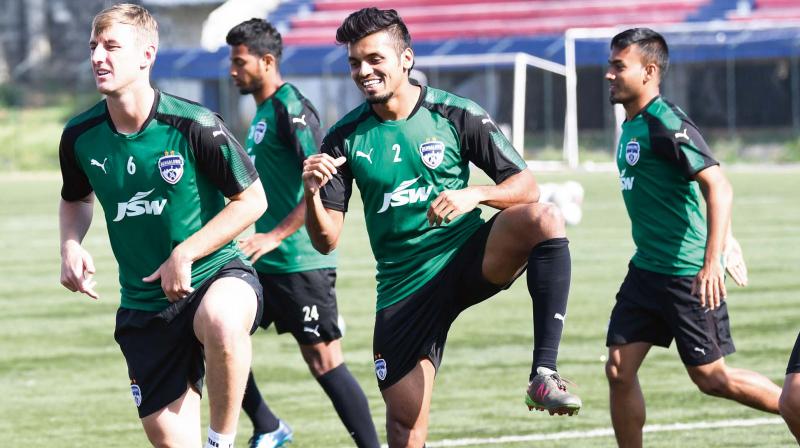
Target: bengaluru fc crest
{"x": 432, "y": 153}
{"x": 171, "y": 167}
{"x": 260, "y": 130}
{"x": 380, "y": 369}
{"x": 137, "y": 394}
{"x": 632, "y": 152}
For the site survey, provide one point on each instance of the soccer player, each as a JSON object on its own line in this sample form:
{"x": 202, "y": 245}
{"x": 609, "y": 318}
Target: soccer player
{"x": 675, "y": 284}
{"x": 298, "y": 281}
{"x": 161, "y": 168}
{"x": 790, "y": 397}
{"x": 408, "y": 148}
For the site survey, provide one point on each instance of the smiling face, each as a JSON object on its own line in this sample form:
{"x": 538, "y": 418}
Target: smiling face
{"x": 119, "y": 59}
{"x": 377, "y": 68}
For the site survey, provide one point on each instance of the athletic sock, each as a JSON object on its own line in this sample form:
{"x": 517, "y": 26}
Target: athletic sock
{"x": 549, "y": 272}
{"x": 256, "y": 408}
{"x": 351, "y": 404}
{"x": 216, "y": 440}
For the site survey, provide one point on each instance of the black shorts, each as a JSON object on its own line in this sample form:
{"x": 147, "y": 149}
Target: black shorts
{"x": 794, "y": 360}
{"x": 656, "y": 308}
{"x": 303, "y": 303}
{"x": 161, "y": 349}
{"x": 416, "y": 327}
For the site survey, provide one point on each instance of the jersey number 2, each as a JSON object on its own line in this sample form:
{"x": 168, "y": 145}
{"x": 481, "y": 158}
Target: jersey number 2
{"x": 396, "y": 149}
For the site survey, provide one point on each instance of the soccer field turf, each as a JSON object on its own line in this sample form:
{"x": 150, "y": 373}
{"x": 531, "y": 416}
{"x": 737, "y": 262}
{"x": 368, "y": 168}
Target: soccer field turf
{"x": 63, "y": 380}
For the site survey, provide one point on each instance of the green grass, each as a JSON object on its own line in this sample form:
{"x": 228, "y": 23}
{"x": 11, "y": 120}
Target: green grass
{"x": 63, "y": 380}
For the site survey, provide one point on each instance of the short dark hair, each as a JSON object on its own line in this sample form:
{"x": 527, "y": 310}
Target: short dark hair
{"x": 372, "y": 20}
{"x": 259, "y": 36}
{"x": 652, "y": 45}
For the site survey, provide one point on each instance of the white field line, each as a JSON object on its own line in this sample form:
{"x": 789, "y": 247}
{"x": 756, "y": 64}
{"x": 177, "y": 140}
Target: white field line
{"x": 607, "y": 432}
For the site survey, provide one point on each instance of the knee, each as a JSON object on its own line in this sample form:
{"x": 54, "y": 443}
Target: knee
{"x": 715, "y": 383}
{"x": 403, "y": 433}
{"x": 321, "y": 361}
{"x": 789, "y": 406}
{"x": 618, "y": 376}
{"x": 547, "y": 219}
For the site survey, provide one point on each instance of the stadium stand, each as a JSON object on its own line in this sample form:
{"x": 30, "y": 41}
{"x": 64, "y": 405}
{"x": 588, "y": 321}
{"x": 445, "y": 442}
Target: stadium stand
{"x": 464, "y": 19}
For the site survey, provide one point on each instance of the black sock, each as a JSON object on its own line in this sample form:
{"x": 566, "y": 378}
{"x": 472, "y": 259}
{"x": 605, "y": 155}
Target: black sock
{"x": 351, "y": 404}
{"x": 256, "y": 408}
{"x": 549, "y": 272}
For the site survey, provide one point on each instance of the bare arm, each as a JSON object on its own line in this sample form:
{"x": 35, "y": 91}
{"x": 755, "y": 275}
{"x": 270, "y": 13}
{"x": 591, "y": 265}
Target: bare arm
{"x": 520, "y": 188}
{"x": 77, "y": 266}
{"x": 709, "y": 285}
{"x": 258, "y": 244}
{"x": 242, "y": 211}
{"x": 324, "y": 225}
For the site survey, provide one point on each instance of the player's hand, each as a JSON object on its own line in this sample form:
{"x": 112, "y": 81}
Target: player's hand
{"x": 451, "y": 204}
{"x": 734, "y": 261}
{"x": 709, "y": 285}
{"x": 318, "y": 169}
{"x": 258, "y": 244}
{"x": 77, "y": 270}
{"x": 175, "y": 275}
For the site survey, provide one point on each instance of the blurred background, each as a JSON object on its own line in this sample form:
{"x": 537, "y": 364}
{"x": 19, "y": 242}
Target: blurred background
{"x": 536, "y": 66}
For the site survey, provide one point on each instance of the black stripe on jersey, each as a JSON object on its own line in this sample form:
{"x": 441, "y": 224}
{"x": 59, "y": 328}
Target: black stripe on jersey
{"x": 336, "y": 193}
{"x": 288, "y": 128}
{"x": 75, "y": 185}
{"x": 671, "y": 144}
{"x": 230, "y": 176}
{"x": 476, "y": 141}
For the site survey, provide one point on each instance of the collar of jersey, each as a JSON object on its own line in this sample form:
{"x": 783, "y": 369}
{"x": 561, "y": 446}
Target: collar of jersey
{"x": 423, "y": 91}
{"x": 150, "y": 116}
{"x": 641, "y": 111}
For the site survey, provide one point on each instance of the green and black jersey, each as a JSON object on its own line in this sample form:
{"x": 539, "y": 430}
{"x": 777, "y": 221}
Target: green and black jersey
{"x": 400, "y": 167}
{"x": 157, "y": 186}
{"x": 284, "y": 131}
{"x": 659, "y": 153}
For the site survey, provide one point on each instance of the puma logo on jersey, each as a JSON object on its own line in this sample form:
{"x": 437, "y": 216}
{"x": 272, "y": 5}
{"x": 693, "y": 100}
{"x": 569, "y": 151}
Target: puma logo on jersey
{"x": 137, "y": 205}
{"x": 367, "y": 155}
{"x": 218, "y": 132}
{"x": 402, "y": 195}
{"x": 301, "y": 120}
{"x": 486, "y": 120}
{"x": 102, "y": 166}
{"x": 684, "y": 134}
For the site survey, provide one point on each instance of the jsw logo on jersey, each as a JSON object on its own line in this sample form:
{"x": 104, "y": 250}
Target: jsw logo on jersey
{"x": 137, "y": 205}
{"x": 625, "y": 183}
{"x": 402, "y": 195}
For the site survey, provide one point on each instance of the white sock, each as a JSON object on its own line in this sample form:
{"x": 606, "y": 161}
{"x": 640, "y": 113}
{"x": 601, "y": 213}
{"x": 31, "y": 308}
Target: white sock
{"x": 216, "y": 440}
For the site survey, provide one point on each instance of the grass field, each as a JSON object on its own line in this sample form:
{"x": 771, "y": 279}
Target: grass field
{"x": 63, "y": 380}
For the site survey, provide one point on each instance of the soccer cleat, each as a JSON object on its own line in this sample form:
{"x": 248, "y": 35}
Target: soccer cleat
{"x": 274, "y": 439}
{"x": 548, "y": 391}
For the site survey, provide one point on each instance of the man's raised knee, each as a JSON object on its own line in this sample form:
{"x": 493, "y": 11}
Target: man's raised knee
{"x": 714, "y": 383}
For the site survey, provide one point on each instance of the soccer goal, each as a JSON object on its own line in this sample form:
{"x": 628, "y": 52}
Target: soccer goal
{"x": 491, "y": 90}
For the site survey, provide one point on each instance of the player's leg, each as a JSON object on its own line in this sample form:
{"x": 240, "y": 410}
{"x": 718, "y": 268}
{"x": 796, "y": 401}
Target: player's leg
{"x": 534, "y": 235}
{"x": 408, "y": 404}
{"x": 790, "y": 397}
{"x": 222, "y": 324}
{"x": 625, "y": 394}
{"x": 744, "y": 386}
{"x": 703, "y": 339}
{"x": 177, "y": 424}
{"x": 268, "y": 430}
{"x": 326, "y": 363}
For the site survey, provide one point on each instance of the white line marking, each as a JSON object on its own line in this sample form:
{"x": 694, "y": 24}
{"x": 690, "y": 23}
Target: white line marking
{"x": 606, "y": 432}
